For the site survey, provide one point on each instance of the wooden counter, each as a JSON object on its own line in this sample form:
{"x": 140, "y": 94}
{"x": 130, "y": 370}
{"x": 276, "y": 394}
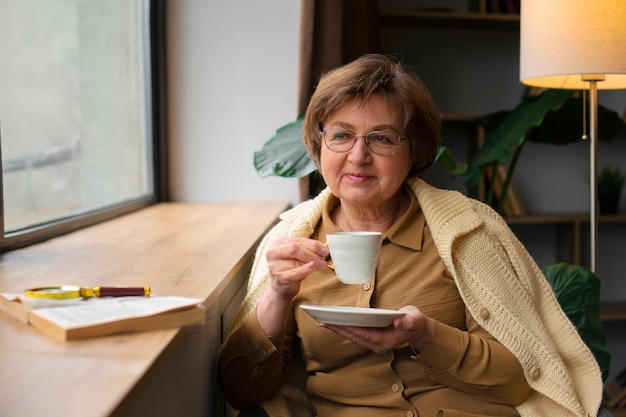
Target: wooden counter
{"x": 192, "y": 250}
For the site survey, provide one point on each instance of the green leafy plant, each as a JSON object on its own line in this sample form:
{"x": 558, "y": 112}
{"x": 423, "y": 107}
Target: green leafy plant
{"x": 610, "y": 181}
{"x": 578, "y": 291}
{"x": 284, "y": 154}
{"x": 554, "y": 116}
{"x": 610, "y": 187}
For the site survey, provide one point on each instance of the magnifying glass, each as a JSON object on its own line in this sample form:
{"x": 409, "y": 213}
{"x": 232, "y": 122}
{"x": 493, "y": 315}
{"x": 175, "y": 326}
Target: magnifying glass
{"x": 64, "y": 292}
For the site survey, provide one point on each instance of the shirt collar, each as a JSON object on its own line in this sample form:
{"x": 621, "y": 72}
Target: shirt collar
{"x": 407, "y": 231}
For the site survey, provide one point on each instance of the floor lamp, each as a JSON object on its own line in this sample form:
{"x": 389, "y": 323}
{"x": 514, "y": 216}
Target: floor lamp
{"x": 576, "y": 45}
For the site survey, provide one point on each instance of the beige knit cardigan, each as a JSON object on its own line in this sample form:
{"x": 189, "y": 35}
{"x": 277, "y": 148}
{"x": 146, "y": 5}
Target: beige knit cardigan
{"x": 496, "y": 276}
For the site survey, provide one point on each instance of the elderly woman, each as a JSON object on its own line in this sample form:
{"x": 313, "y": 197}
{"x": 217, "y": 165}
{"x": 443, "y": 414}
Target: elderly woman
{"x": 482, "y": 333}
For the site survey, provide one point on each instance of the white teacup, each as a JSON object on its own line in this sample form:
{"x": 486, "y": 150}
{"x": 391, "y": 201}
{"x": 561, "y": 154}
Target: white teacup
{"x": 354, "y": 255}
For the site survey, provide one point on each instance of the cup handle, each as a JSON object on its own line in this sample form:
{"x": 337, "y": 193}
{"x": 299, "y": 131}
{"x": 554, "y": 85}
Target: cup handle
{"x": 329, "y": 262}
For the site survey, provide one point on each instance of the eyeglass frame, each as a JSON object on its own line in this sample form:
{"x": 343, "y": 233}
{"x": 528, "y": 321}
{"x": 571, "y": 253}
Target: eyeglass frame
{"x": 365, "y": 138}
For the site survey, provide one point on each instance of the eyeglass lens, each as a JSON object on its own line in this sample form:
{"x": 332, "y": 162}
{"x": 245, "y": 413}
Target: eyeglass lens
{"x": 379, "y": 142}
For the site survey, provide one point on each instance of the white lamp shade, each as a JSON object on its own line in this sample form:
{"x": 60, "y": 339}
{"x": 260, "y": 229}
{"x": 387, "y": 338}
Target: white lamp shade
{"x": 562, "y": 40}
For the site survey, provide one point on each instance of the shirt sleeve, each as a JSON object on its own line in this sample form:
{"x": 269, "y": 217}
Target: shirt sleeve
{"x": 472, "y": 361}
{"x": 253, "y": 366}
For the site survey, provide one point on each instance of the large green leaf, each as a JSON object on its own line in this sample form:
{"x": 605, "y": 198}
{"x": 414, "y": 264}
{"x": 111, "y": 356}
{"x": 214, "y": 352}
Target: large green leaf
{"x": 284, "y": 155}
{"x": 566, "y": 125}
{"x": 455, "y": 168}
{"x": 555, "y": 117}
{"x": 578, "y": 291}
{"x": 506, "y": 131}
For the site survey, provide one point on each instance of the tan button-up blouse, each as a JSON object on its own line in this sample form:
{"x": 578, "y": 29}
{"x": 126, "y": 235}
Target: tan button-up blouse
{"x": 464, "y": 372}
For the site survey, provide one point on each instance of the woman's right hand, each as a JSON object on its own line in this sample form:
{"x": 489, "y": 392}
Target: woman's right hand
{"x": 290, "y": 260}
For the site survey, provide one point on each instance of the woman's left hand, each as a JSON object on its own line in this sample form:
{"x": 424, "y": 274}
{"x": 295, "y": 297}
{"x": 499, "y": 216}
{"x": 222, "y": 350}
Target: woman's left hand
{"x": 413, "y": 328}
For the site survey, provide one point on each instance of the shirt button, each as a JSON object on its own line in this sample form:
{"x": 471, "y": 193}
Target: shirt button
{"x": 409, "y": 414}
{"x": 263, "y": 352}
{"x": 367, "y": 286}
{"x": 395, "y": 387}
{"x": 534, "y": 373}
{"x": 483, "y": 313}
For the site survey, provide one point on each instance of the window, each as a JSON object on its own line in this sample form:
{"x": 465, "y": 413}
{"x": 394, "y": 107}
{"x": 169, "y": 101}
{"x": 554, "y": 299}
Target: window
{"x": 79, "y": 88}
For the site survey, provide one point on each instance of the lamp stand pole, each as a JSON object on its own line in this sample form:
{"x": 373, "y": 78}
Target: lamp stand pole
{"x": 593, "y": 170}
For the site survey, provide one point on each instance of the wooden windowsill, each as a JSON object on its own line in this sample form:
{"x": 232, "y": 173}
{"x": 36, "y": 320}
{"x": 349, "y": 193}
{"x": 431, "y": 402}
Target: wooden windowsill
{"x": 191, "y": 250}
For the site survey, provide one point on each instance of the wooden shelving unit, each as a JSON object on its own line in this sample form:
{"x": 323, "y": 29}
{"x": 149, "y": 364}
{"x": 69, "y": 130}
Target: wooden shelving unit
{"x": 450, "y": 20}
{"x": 575, "y": 222}
{"x": 482, "y": 14}
{"x": 570, "y": 228}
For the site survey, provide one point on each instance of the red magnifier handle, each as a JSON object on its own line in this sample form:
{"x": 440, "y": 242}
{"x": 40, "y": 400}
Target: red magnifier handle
{"x": 121, "y": 291}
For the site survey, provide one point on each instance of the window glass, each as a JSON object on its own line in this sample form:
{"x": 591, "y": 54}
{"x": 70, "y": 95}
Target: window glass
{"x": 74, "y": 107}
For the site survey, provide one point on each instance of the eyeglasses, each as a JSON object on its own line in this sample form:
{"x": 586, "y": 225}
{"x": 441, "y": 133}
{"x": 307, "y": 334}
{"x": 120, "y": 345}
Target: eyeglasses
{"x": 380, "y": 142}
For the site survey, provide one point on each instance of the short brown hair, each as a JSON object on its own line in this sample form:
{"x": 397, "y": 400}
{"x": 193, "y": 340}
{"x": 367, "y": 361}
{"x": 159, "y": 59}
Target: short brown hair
{"x": 385, "y": 76}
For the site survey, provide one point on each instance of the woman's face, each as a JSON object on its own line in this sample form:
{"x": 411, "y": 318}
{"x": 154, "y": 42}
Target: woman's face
{"x": 359, "y": 176}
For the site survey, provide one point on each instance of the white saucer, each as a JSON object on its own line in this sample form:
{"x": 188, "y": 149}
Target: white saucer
{"x": 352, "y": 316}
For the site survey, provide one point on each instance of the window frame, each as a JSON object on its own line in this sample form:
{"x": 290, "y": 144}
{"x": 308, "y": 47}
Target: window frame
{"x": 159, "y": 147}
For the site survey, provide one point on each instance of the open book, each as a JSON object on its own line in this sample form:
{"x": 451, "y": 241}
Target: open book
{"x": 83, "y": 318}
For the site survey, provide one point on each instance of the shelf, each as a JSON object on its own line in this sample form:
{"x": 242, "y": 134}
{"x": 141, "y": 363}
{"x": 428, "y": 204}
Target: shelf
{"x": 609, "y": 311}
{"x": 565, "y": 219}
{"x": 613, "y": 311}
{"x": 449, "y": 20}
{"x": 571, "y": 229}
{"x": 458, "y": 118}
